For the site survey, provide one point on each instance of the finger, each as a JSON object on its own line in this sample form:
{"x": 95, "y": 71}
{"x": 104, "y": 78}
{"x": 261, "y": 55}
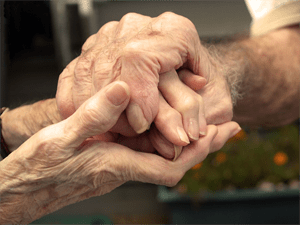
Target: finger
{"x": 216, "y": 137}
{"x": 123, "y": 127}
{"x": 131, "y": 24}
{"x": 181, "y": 36}
{"x": 142, "y": 74}
{"x": 128, "y": 26}
{"x": 141, "y": 166}
{"x": 88, "y": 43}
{"x": 143, "y": 106}
{"x": 162, "y": 145}
{"x": 98, "y": 114}
{"x": 196, "y": 83}
{"x": 185, "y": 101}
{"x": 111, "y": 39}
{"x": 147, "y": 45}
{"x": 64, "y": 97}
{"x": 192, "y": 80}
{"x": 157, "y": 52}
{"x": 154, "y": 169}
{"x": 86, "y": 68}
{"x": 225, "y": 132}
{"x": 169, "y": 123}
{"x": 105, "y": 34}
{"x": 108, "y": 67}
{"x": 131, "y": 165}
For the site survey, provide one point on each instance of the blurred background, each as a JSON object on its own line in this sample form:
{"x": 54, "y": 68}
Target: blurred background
{"x": 253, "y": 179}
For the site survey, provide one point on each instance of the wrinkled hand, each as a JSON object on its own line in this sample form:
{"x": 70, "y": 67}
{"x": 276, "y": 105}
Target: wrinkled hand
{"x": 145, "y": 53}
{"x": 140, "y": 50}
{"x": 63, "y": 163}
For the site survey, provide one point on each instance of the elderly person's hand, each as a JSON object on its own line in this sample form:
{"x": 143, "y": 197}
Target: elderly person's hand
{"x": 63, "y": 164}
{"x": 141, "y": 51}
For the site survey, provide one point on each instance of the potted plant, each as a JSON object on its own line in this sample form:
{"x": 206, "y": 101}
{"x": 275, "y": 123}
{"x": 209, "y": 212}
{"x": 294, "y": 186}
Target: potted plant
{"x": 254, "y": 178}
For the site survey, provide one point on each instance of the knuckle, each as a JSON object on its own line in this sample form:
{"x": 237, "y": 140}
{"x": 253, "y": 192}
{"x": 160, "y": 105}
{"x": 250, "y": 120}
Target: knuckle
{"x": 167, "y": 116}
{"x": 69, "y": 69}
{"x": 190, "y": 103}
{"x": 132, "y": 48}
{"x": 169, "y": 15}
{"x": 93, "y": 117}
{"x": 178, "y": 19}
{"x": 88, "y": 43}
{"x": 108, "y": 27}
{"x": 48, "y": 149}
{"x": 129, "y": 17}
{"x": 131, "y": 53}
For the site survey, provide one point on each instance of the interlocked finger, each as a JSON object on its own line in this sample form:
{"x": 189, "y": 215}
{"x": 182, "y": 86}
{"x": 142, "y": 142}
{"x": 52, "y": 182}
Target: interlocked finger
{"x": 186, "y": 101}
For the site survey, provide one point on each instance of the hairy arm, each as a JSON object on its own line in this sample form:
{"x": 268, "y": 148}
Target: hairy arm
{"x": 263, "y": 75}
{"x": 21, "y": 123}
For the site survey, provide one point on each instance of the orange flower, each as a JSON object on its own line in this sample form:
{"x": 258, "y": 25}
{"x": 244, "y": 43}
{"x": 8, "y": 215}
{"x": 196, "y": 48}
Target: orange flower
{"x": 197, "y": 166}
{"x": 239, "y": 136}
{"x": 221, "y": 157}
{"x": 280, "y": 158}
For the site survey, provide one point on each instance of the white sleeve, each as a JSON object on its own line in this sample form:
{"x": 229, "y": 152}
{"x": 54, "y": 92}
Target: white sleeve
{"x": 268, "y": 15}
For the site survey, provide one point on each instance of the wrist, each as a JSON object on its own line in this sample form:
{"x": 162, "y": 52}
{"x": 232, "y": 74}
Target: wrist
{"x": 21, "y": 123}
{"x": 230, "y": 64}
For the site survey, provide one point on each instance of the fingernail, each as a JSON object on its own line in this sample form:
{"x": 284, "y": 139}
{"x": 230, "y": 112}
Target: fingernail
{"x": 117, "y": 94}
{"x": 203, "y": 129}
{"x": 178, "y": 150}
{"x": 182, "y": 135}
{"x": 141, "y": 124}
{"x": 193, "y": 129}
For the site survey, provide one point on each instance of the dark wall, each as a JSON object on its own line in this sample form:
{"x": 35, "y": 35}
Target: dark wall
{"x": 31, "y": 71}
{"x": 25, "y": 20}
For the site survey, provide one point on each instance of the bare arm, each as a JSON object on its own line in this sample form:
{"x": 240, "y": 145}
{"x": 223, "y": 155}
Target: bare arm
{"x": 21, "y": 123}
{"x": 266, "y": 71}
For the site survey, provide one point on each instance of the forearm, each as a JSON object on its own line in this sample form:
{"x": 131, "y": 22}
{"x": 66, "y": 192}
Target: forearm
{"x": 21, "y": 123}
{"x": 28, "y": 192}
{"x": 14, "y": 199}
{"x": 13, "y": 208}
{"x": 266, "y": 71}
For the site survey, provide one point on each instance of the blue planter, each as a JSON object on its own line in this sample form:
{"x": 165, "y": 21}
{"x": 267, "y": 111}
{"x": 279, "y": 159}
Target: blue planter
{"x": 241, "y": 206}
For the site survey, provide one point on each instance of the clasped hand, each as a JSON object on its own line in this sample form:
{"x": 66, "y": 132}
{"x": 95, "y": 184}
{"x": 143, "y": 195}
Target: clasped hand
{"x": 147, "y": 53}
{"x": 131, "y": 74}
{"x": 63, "y": 163}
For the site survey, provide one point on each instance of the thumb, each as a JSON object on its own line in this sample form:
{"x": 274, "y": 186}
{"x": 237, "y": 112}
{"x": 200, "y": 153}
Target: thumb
{"x": 99, "y": 113}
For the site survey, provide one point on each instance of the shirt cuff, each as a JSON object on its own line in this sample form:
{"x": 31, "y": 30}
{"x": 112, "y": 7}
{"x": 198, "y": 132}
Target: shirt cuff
{"x": 285, "y": 15}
